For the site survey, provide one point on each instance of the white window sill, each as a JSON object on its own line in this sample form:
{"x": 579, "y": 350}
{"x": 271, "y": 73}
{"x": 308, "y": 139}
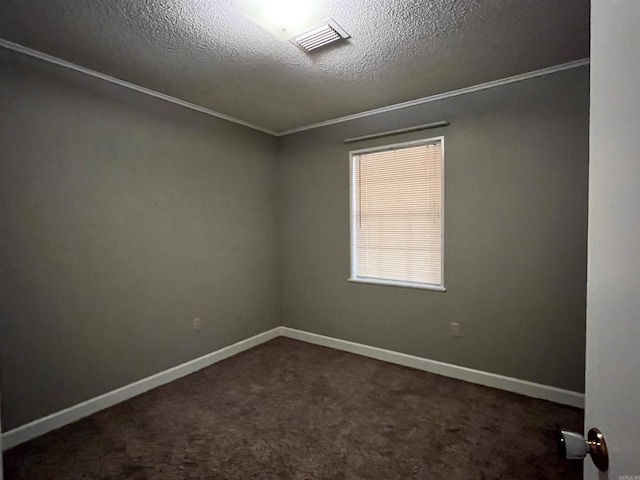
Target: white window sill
{"x": 392, "y": 283}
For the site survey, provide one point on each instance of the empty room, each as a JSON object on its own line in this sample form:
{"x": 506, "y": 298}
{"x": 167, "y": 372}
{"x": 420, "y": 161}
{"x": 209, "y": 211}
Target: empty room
{"x": 280, "y": 239}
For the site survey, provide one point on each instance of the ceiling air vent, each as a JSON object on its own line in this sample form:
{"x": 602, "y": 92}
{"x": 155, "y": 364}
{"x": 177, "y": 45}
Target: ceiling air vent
{"x": 320, "y": 36}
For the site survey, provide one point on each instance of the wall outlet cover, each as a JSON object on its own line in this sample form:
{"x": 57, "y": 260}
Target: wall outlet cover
{"x": 456, "y": 331}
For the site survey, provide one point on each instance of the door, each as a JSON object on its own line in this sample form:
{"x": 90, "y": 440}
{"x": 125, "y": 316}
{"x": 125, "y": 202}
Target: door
{"x": 613, "y": 291}
{"x": 1, "y": 469}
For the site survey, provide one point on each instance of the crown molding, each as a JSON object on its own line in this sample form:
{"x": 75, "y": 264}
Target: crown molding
{"x": 192, "y": 106}
{"x": 441, "y": 96}
{"x": 123, "y": 83}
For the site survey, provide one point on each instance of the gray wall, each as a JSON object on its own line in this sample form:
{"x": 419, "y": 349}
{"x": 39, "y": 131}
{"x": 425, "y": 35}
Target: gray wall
{"x": 516, "y": 163}
{"x": 123, "y": 217}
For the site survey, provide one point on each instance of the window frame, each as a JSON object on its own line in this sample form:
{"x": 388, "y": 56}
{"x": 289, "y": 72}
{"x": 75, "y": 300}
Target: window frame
{"x": 352, "y": 217}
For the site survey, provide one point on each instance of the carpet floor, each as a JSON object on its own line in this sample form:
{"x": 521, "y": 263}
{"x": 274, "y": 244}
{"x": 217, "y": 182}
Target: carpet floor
{"x": 292, "y": 410}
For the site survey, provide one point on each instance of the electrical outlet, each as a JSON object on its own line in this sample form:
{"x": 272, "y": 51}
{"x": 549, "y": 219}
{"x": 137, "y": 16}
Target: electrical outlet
{"x": 455, "y": 329}
{"x": 197, "y": 324}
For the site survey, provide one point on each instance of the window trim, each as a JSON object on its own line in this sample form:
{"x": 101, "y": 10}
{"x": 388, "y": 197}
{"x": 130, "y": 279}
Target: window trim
{"x": 353, "y": 278}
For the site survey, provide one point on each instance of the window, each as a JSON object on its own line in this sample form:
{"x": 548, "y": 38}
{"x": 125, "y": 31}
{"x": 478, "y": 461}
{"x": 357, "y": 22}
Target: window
{"x": 397, "y": 196}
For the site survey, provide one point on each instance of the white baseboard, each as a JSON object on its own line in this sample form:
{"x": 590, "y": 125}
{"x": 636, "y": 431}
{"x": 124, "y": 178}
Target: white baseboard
{"x": 64, "y": 417}
{"x": 523, "y": 387}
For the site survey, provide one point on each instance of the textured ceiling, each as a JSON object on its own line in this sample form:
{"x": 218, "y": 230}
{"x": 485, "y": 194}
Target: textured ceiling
{"x": 208, "y": 53}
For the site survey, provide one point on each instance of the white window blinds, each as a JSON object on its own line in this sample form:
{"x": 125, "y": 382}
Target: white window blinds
{"x": 397, "y": 214}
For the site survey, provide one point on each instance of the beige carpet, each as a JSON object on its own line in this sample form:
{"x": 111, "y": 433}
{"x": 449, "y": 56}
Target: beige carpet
{"x": 291, "y": 410}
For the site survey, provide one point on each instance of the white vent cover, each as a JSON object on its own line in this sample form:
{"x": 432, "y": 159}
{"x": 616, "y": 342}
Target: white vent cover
{"x": 320, "y": 36}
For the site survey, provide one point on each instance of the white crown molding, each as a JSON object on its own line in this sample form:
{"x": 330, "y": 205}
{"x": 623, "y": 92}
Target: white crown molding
{"x": 123, "y": 83}
{"x": 411, "y": 103}
{"x": 515, "y": 385}
{"x": 441, "y": 96}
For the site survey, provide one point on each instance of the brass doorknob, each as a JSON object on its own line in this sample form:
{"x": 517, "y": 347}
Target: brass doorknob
{"x": 598, "y": 449}
{"x": 572, "y": 445}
